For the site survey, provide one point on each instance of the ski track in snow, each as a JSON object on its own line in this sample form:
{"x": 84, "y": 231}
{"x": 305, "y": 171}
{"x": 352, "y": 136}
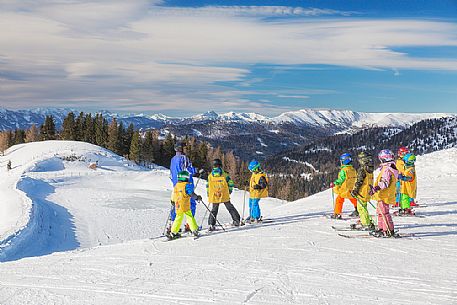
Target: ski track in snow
{"x": 93, "y": 241}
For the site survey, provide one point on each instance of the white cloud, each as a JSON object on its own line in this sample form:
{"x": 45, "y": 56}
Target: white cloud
{"x": 121, "y": 53}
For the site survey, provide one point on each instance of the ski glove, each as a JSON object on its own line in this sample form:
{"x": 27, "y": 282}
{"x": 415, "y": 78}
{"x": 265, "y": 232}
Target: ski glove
{"x": 199, "y": 198}
{"x": 355, "y": 194}
{"x": 332, "y": 185}
{"x": 257, "y": 187}
{"x": 374, "y": 190}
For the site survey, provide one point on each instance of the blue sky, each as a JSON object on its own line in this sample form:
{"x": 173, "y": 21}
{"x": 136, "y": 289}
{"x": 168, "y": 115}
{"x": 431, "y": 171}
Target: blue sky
{"x": 186, "y": 57}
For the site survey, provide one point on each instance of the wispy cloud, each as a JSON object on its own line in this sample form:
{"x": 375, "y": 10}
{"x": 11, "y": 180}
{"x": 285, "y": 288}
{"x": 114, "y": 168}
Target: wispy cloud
{"x": 123, "y": 54}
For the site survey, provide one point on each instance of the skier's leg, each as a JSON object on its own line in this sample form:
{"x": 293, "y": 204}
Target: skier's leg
{"x": 233, "y": 212}
{"x": 193, "y": 206}
{"x": 381, "y": 224}
{"x": 213, "y": 215}
{"x": 386, "y": 217}
{"x": 255, "y": 209}
{"x": 251, "y": 200}
{"x": 405, "y": 202}
{"x": 338, "y": 205}
{"x": 190, "y": 219}
{"x": 354, "y": 202}
{"x": 177, "y": 222}
{"x": 365, "y": 218}
{"x": 173, "y": 214}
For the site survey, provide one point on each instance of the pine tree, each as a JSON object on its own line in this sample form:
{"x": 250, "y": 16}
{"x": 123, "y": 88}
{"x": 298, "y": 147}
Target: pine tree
{"x": 148, "y": 149}
{"x": 19, "y": 136}
{"x": 69, "y": 127}
{"x": 89, "y": 129}
{"x": 48, "y": 129}
{"x": 3, "y": 142}
{"x": 134, "y": 153}
{"x": 32, "y": 134}
{"x": 168, "y": 149}
{"x": 80, "y": 126}
{"x": 113, "y": 137}
{"x": 101, "y": 131}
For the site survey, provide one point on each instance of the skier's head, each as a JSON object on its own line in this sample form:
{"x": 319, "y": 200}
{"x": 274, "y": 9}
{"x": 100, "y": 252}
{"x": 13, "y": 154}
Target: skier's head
{"x": 217, "y": 172}
{"x": 365, "y": 158}
{"x": 386, "y": 155}
{"x": 183, "y": 176}
{"x": 409, "y": 159}
{"x": 345, "y": 159}
{"x": 217, "y": 163}
{"x": 402, "y": 151}
{"x": 179, "y": 147}
{"x": 254, "y": 166}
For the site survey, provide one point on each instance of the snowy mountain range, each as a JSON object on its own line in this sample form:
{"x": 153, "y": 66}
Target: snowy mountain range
{"x": 324, "y": 118}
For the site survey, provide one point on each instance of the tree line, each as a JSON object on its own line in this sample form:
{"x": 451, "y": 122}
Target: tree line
{"x": 142, "y": 147}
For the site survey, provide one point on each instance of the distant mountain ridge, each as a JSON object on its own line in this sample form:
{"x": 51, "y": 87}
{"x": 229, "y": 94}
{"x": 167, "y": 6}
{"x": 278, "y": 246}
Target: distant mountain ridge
{"x": 325, "y": 118}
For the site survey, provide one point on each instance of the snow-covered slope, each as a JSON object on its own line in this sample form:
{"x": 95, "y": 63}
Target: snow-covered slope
{"x": 295, "y": 259}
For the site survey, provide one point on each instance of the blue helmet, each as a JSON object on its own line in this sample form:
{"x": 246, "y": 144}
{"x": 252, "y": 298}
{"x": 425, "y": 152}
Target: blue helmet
{"x": 254, "y": 165}
{"x": 217, "y": 171}
{"x": 345, "y": 158}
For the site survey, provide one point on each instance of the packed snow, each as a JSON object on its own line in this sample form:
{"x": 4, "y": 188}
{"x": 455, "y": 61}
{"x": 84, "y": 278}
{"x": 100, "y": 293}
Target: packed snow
{"x": 93, "y": 238}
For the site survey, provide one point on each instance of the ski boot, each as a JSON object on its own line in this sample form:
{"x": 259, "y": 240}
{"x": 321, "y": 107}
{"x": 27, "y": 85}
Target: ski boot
{"x": 378, "y": 233}
{"x": 186, "y": 228}
{"x": 336, "y": 216}
{"x": 409, "y": 212}
{"x": 172, "y": 236}
{"x": 211, "y": 228}
{"x": 196, "y": 234}
{"x": 371, "y": 227}
{"x": 236, "y": 223}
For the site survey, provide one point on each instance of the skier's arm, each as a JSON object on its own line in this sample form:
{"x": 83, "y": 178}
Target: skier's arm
{"x": 407, "y": 176}
{"x": 190, "y": 191}
{"x": 341, "y": 178}
{"x": 230, "y": 183}
{"x": 384, "y": 182}
{"x": 262, "y": 183}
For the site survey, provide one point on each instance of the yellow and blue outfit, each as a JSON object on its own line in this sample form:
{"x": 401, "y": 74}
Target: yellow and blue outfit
{"x": 258, "y": 189}
{"x": 182, "y": 194}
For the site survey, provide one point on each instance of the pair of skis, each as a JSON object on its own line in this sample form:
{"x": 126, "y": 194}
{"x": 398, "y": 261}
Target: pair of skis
{"x": 362, "y": 229}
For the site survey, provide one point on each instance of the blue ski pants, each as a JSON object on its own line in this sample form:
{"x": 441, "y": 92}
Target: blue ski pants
{"x": 254, "y": 208}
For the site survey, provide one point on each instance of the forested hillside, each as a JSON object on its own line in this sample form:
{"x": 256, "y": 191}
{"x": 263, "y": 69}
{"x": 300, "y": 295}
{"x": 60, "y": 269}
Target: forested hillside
{"x": 309, "y": 169}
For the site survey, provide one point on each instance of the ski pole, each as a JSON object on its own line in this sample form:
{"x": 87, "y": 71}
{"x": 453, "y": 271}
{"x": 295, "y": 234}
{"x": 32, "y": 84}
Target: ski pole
{"x": 244, "y": 203}
{"x": 333, "y": 200}
{"x": 168, "y": 219}
{"x": 218, "y": 223}
{"x": 203, "y": 219}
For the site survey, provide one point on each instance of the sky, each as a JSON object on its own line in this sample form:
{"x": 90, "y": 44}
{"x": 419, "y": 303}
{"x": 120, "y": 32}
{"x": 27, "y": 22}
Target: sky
{"x": 183, "y": 57}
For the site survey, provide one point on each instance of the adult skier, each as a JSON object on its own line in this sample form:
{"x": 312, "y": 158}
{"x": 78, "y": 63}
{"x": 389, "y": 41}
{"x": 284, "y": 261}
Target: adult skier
{"x": 180, "y": 162}
{"x": 258, "y": 189}
{"x": 408, "y": 185}
{"x": 344, "y": 185}
{"x": 219, "y": 188}
{"x": 183, "y": 192}
{"x": 361, "y": 190}
{"x": 384, "y": 192}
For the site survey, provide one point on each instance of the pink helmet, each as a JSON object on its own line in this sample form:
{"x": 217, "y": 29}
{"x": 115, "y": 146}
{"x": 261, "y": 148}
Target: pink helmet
{"x": 386, "y": 155}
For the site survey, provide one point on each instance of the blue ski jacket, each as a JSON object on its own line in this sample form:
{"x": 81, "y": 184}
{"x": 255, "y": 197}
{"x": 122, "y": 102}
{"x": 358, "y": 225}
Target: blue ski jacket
{"x": 181, "y": 162}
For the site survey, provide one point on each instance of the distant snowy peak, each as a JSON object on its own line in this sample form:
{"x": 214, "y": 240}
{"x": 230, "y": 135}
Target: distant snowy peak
{"x": 352, "y": 119}
{"x": 228, "y": 117}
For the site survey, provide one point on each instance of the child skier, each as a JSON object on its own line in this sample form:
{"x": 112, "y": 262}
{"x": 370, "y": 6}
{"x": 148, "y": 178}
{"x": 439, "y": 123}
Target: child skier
{"x": 400, "y": 164}
{"x": 219, "y": 188}
{"x": 258, "y": 188}
{"x": 384, "y": 192}
{"x": 408, "y": 185}
{"x": 344, "y": 185}
{"x": 361, "y": 188}
{"x": 182, "y": 194}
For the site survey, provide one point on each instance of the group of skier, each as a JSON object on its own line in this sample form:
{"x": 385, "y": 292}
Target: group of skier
{"x": 219, "y": 189}
{"x": 395, "y": 185}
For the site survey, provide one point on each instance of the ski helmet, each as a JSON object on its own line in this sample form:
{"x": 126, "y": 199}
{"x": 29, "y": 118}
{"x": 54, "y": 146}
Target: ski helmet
{"x": 217, "y": 171}
{"x": 254, "y": 165}
{"x": 386, "y": 155}
{"x": 409, "y": 159}
{"x": 365, "y": 157}
{"x": 345, "y": 158}
{"x": 183, "y": 176}
{"x": 402, "y": 151}
{"x": 179, "y": 146}
{"x": 217, "y": 163}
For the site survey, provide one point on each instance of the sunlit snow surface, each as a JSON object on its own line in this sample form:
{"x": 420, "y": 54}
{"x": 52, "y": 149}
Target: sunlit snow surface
{"x": 89, "y": 241}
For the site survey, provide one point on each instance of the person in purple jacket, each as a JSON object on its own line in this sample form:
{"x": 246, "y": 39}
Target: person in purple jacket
{"x": 180, "y": 162}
